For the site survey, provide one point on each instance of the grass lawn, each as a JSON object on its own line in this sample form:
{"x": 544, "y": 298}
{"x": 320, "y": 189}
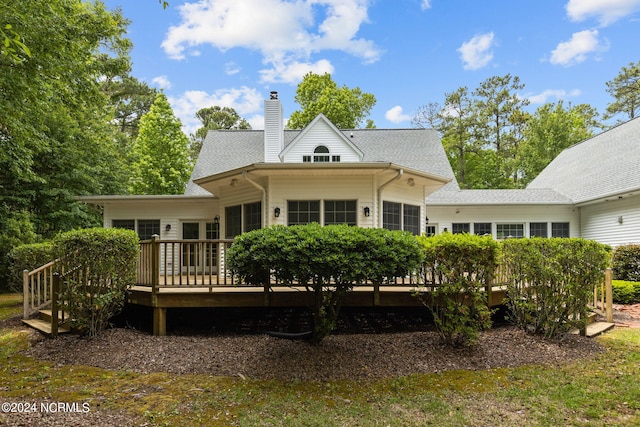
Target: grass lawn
{"x": 601, "y": 391}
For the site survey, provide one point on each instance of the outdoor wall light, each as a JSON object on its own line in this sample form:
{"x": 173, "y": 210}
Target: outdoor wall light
{"x": 216, "y": 219}
{"x": 411, "y": 182}
{"x": 367, "y": 211}
{"x": 426, "y": 220}
{"x": 168, "y": 228}
{"x": 276, "y": 212}
{"x": 620, "y": 220}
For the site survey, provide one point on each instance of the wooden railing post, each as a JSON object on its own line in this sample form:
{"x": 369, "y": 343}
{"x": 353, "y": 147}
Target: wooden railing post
{"x": 609, "y": 297}
{"x": 25, "y": 294}
{"x": 155, "y": 266}
{"x": 55, "y": 291}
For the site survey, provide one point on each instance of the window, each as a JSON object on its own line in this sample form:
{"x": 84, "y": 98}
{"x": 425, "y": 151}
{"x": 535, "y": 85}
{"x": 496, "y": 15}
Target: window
{"x": 233, "y": 221}
{"x": 538, "y": 229}
{"x": 460, "y": 227}
{"x": 212, "y": 231}
{"x": 340, "y": 212}
{"x": 482, "y": 228}
{"x": 508, "y": 231}
{"x": 321, "y": 154}
{"x": 127, "y": 224}
{"x": 252, "y": 216}
{"x": 391, "y": 215}
{"x": 430, "y": 230}
{"x": 396, "y": 216}
{"x": 559, "y": 229}
{"x": 411, "y": 217}
{"x": 303, "y": 211}
{"x": 147, "y": 228}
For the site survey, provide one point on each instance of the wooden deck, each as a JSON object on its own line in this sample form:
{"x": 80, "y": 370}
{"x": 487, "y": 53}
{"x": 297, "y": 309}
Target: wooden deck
{"x": 164, "y": 298}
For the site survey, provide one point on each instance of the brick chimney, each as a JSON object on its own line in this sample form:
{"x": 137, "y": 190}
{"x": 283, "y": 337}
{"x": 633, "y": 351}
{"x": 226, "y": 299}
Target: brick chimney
{"x": 273, "y": 129}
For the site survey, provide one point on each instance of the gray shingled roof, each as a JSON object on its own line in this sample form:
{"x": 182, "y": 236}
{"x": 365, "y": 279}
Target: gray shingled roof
{"x": 496, "y": 197}
{"x": 605, "y": 165}
{"x": 418, "y": 149}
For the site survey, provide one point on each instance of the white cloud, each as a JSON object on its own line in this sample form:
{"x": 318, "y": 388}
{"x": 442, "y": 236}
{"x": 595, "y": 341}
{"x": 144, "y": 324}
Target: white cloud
{"x": 476, "y": 53}
{"x": 230, "y": 68}
{"x": 577, "y": 49}
{"x": 547, "y": 94}
{"x": 246, "y": 101}
{"x": 426, "y": 4}
{"x": 291, "y": 72}
{"x": 395, "y": 115}
{"x": 606, "y": 11}
{"x": 275, "y": 28}
{"x": 162, "y": 82}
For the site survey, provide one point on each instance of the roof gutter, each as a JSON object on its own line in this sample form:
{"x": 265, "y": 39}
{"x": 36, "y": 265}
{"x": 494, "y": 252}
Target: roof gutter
{"x": 382, "y": 187}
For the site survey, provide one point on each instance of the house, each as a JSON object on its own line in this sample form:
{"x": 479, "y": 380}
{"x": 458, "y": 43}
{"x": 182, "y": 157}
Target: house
{"x": 391, "y": 178}
{"x": 590, "y": 190}
{"x": 246, "y": 179}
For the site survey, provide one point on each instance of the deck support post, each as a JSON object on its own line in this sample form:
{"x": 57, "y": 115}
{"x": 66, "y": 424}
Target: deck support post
{"x": 159, "y": 321}
{"x": 267, "y": 295}
{"x": 376, "y": 294}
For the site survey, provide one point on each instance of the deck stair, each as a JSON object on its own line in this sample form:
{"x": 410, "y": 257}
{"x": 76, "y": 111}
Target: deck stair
{"x": 594, "y": 326}
{"x": 42, "y": 323}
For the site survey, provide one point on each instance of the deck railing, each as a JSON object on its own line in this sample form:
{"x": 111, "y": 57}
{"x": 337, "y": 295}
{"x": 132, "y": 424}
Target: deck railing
{"x": 181, "y": 263}
{"x": 37, "y": 288}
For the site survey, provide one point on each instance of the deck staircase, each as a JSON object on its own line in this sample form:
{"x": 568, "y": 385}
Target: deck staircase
{"x": 43, "y": 323}
{"x": 595, "y": 327}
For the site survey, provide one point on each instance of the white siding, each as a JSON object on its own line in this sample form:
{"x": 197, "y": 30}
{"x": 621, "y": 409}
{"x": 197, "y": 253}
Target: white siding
{"x": 444, "y": 216}
{"x": 601, "y": 221}
{"x": 321, "y": 134}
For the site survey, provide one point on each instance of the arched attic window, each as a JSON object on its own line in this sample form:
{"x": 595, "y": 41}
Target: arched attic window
{"x": 321, "y": 154}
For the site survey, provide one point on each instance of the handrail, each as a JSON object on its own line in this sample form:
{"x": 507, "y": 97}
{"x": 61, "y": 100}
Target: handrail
{"x": 37, "y": 288}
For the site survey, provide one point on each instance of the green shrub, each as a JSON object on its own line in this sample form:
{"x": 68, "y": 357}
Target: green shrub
{"x": 27, "y": 257}
{"x": 626, "y": 263}
{"x": 551, "y": 281}
{"x": 625, "y": 292}
{"x": 462, "y": 266}
{"x": 99, "y": 265}
{"x": 328, "y": 261}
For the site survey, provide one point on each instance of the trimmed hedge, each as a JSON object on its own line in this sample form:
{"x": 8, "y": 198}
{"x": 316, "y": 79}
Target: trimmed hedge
{"x": 327, "y": 260}
{"x": 100, "y": 264}
{"x": 625, "y": 292}
{"x": 462, "y": 265}
{"x": 551, "y": 281}
{"x": 27, "y": 257}
{"x": 626, "y": 263}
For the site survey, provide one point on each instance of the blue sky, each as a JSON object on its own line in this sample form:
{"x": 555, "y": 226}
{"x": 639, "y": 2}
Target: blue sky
{"x": 406, "y": 52}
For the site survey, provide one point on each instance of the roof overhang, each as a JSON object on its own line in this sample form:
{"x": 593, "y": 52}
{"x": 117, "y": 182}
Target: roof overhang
{"x": 174, "y": 198}
{"x": 213, "y": 183}
{"x": 622, "y": 194}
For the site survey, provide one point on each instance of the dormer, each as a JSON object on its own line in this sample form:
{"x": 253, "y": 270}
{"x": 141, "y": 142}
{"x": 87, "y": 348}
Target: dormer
{"x": 321, "y": 142}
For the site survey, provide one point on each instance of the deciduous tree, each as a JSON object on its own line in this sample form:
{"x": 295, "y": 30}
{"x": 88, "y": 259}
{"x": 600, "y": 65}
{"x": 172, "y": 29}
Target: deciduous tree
{"x": 344, "y": 107}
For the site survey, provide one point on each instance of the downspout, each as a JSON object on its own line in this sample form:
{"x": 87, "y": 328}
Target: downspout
{"x": 245, "y": 175}
{"x": 382, "y": 187}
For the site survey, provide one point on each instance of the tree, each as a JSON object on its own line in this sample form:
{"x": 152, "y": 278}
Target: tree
{"x": 501, "y": 115}
{"x": 214, "y": 118}
{"x": 131, "y": 99}
{"x": 161, "y": 159}
{"x": 551, "y": 129}
{"x": 344, "y": 107}
{"x": 55, "y": 133}
{"x": 625, "y": 89}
